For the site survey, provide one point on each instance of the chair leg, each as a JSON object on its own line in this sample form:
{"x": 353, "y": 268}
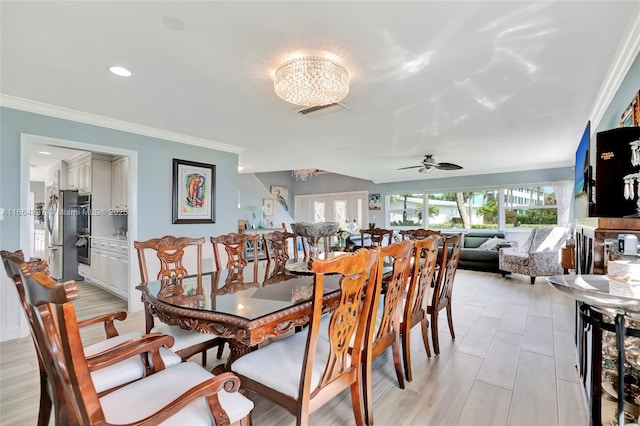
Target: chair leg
{"x": 204, "y": 358}
{"x": 220, "y": 350}
{"x": 356, "y": 401}
{"x": 366, "y": 396}
{"x": 45, "y": 401}
{"x": 425, "y": 336}
{"x": 450, "y": 321}
{"x": 406, "y": 352}
{"x": 533, "y": 280}
{"x": 434, "y": 332}
{"x": 246, "y": 421}
{"x": 395, "y": 350}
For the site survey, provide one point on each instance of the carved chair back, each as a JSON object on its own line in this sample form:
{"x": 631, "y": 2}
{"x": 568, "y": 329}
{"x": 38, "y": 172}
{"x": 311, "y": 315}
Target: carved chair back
{"x": 348, "y": 323}
{"x": 389, "y": 311}
{"x": 441, "y": 297}
{"x": 234, "y": 245}
{"x": 329, "y": 352}
{"x": 57, "y": 328}
{"x": 418, "y": 234}
{"x": 48, "y": 393}
{"x": 425, "y": 257}
{"x": 276, "y": 245}
{"x": 376, "y": 236}
{"x": 170, "y": 253}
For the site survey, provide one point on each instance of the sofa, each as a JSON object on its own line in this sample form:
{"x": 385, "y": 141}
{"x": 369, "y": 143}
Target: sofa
{"x": 480, "y": 249}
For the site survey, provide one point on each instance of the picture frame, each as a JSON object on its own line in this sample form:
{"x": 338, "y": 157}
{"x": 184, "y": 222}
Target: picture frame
{"x": 631, "y": 116}
{"x": 281, "y": 195}
{"x": 375, "y": 202}
{"x": 268, "y": 206}
{"x": 193, "y": 192}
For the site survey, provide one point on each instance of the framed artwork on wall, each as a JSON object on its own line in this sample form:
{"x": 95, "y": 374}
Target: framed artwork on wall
{"x": 281, "y": 194}
{"x": 631, "y": 116}
{"x": 193, "y": 192}
{"x": 374, "y": 202}
{"x": 267, "y": 206}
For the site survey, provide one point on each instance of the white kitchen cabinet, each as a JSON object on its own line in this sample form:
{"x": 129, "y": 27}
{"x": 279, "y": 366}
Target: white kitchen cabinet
{"x": 120, "y": 183}
{"x": 110, "y": 265}
{"x": 72, "y": 177}
{"x": 84, "y": 177}
{"x": 79, "y": 174}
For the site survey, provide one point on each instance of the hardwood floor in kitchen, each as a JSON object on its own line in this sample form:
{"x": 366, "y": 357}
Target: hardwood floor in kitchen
{"x": 512, "y": 363}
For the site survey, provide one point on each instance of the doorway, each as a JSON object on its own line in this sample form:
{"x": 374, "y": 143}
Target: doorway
{"x": 29, "y": 144}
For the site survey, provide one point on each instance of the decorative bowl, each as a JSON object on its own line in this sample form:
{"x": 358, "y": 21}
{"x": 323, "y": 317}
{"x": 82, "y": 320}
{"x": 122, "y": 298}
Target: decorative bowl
{"x": 315, "y": 230}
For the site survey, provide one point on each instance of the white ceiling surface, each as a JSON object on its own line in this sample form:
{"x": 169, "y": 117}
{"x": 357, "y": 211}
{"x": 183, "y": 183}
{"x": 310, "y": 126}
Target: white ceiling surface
{"x": 492, "y": 86}
{"x": 40, "y": 162}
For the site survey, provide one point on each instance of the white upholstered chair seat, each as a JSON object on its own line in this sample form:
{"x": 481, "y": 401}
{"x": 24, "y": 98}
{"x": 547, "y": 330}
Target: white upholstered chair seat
{"x": 125, "y": 371}
{"x": 142, "y": 398}
{"x": 278, "y": 365}
{"x": 182, "y": 338}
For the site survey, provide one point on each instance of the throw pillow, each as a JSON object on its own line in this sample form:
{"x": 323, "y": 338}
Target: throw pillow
{"x": 492, "y": 243}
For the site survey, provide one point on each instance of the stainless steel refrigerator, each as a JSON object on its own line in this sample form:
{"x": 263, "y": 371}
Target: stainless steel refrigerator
{"x": 61, "y": 223}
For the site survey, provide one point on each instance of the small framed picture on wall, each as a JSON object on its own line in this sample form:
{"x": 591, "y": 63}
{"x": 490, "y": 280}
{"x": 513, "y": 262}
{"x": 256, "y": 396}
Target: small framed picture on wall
{"x": 281, "y": 194}
{"x": 374, "y": 201}
{"x": 267, "y": 206}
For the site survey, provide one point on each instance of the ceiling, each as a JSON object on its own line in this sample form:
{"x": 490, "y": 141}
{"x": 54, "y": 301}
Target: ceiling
{"x": 42, "y": 156}
{"x": 491, "y": 86}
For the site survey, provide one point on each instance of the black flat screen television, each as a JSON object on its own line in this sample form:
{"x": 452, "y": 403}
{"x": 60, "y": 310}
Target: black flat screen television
{"x": 583, "y": 201}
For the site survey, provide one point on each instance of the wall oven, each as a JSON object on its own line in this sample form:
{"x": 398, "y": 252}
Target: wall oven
{"x": 83, "y": 244}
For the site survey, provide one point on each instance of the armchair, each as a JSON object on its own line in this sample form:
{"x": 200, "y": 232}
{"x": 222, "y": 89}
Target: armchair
{"x": 539, "y": 256}
{"x": 184, "y": 394}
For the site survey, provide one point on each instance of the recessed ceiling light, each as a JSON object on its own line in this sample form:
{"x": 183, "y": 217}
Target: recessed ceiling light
{"x": 240, "y": 168}
{"x": 173, "y": 23}
{"x": 44, "y": 153}
{"x": 121, "y": 71}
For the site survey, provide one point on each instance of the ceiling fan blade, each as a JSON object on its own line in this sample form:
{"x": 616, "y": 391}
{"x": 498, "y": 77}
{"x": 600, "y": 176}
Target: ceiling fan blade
{"x": 410, "y": 167}
{"x": 448, "y": 166}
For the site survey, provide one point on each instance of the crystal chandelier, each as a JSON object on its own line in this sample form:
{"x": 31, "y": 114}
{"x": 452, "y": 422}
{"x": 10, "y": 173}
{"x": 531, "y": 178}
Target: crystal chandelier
{"x": 311, "y": 81}
{"x": 303, "y": 174}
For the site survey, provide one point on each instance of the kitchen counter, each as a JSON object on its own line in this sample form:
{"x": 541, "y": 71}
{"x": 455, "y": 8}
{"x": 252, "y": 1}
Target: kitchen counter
{"x": 109, "y": 238}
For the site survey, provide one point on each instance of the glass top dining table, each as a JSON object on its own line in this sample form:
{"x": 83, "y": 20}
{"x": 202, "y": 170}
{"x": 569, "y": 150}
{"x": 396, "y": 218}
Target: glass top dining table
{"x": 246, "y": 305}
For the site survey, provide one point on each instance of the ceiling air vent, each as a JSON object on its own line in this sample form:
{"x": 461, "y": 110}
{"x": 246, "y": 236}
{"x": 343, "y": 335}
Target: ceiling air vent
{"x": 322, "y": 109}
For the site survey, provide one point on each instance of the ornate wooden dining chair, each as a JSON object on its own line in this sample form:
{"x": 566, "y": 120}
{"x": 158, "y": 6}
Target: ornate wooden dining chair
{"x": 303, "y": 372}
{"x": 276, "y": 245}
{"x": 170, "y": 253}
{"x": 441, "y": 298}
{"x": 376, "y": 236}
{"x": 105, "y": 379}
{"x": 425, "y": 256}
{"x": 182, "y": 394}
{"x": 234, "y": 245}
{"x": 389, "y": 295}
{"x": 417, "y": 234}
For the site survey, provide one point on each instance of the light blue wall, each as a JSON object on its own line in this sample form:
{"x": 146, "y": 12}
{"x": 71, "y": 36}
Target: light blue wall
{"x": 155, "y": 169}
{"x": 256, "y": 187}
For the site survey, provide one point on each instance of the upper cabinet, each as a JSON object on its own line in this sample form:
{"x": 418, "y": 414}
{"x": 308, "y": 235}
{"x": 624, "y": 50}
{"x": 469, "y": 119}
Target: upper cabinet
{"x": 90, "y": 173}
{"x": 120, "y": 184}
{"x": 79, "y": 173}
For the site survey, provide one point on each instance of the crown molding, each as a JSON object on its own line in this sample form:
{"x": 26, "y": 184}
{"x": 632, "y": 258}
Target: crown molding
{"x": 35, "y": 107}
{"x": 625, "y": 56}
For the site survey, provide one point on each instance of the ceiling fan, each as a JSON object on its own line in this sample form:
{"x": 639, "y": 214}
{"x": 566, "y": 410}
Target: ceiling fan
{"x": 429, "y": 163}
